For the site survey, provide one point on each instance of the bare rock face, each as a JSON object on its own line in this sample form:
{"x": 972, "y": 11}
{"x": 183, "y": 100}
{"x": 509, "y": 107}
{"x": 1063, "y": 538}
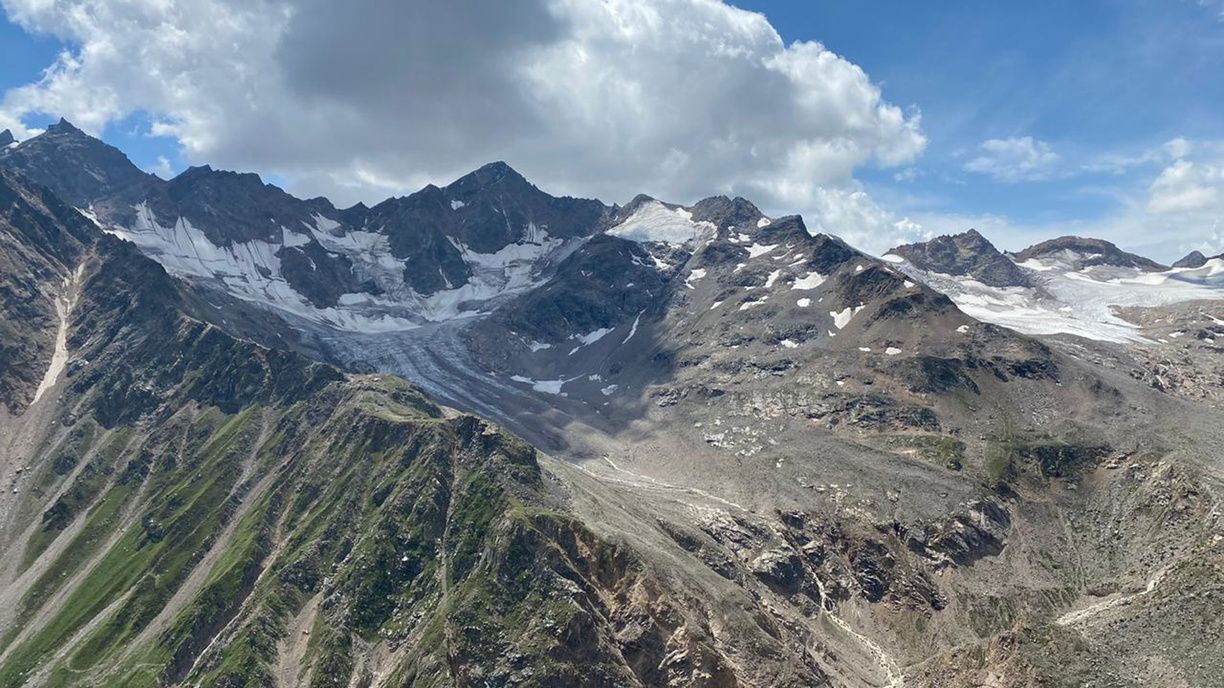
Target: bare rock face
{"x": 77, "y": 167}
{"x": 968, "y": 254}
{"x": 1194, "y": 259}
{"x": 1083, "y": 252}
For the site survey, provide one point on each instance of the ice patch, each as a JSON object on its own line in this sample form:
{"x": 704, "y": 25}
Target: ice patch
{"x": 764, "y": 222}
{"x": 842, "y": 318}
{"x": 591, "y": 337}
{"x": 293, "y": 239}
{"x": 892, "y": 258}
{"x": 773, "y": 277}
{"x": 803, "y": 303}
{"x": 760, "y": 249}
{"x": 457, "y": 204}
{"x": 545, "y": 386}
{"x": 655, "y": 222}
{"x": 697, "y": 274}
{"x": 632, "y": 330}
{"x": 609, "y": 390}
{"x": 789, "y": 344}
{"x": 809, "y": 281}
{"x": 892, "y": 351}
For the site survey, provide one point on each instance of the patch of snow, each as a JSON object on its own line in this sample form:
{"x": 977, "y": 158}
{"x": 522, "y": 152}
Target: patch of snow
{"x": 963, "y": 329}
{"x": 803, "y": 303}
{"x": 609, "y": 390}
{"x": 789, "y": 344}
{"x": 591, "y": 337}
{"x": 865, "y": 349}
{"x": 697, "y": 274}
{"x": 716, "y": 305}
{"x": 842, "y": 318}
{"x": 892, "y": 351}
{"x": 292, "y": 239}
{"x": 655, "y": 222}
{"x": 632, "y": 330}
{"x": 545, "y": 386}
{"x": 809, "y": 281}
{"x": 457, "y": 204}
{"x": 760, "y": 249}
{"x": 892, "y": 258}
{"x": 538, "y": 346}
{"x": 764, "y": 222}
{"x": 773, "y": 277}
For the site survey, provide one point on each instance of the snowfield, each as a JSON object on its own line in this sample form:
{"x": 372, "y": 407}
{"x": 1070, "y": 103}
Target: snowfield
{"x": 1076, "y": 302}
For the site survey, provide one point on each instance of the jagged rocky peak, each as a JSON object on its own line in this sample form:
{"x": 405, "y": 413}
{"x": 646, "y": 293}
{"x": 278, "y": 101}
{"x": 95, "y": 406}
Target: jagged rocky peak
{"x": 726, "y": 212}
{"x": 494, "y": 174}
{"x": 6, "y": 139}
{"x": 1082, "y": 252}
{"x": 79, "y": 168}
{"x": 967, "y": 254}
{"x": 233, "y": 207}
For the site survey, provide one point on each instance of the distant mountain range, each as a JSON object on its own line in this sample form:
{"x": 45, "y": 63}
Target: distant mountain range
{"x": 749, "y": 454}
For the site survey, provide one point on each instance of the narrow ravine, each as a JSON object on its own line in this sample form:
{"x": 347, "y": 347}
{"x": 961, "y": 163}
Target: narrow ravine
{"x": 64, "y": 303}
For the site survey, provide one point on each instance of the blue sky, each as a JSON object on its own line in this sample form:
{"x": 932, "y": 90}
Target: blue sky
{"x": 1025, "y": 119}
{"x": 1092, "y": 78}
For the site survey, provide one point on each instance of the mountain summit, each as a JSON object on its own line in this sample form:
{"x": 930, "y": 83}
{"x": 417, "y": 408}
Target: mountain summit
{"x": 969, "y": 254}
{"x": 80, "y": 169}
{"x": 1083, "y": 252}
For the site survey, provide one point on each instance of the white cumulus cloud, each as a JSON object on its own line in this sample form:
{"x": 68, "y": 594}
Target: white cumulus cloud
{"x": 1014, "y": 160}
{"x": 675, "y": 98}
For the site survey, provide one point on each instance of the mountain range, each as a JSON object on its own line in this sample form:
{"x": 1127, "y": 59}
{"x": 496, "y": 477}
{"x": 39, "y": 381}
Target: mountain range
{"x": 482, "y": 435}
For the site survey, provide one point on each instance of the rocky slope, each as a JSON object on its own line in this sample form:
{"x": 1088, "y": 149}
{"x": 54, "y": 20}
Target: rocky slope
{"x": 187, "y": 507}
